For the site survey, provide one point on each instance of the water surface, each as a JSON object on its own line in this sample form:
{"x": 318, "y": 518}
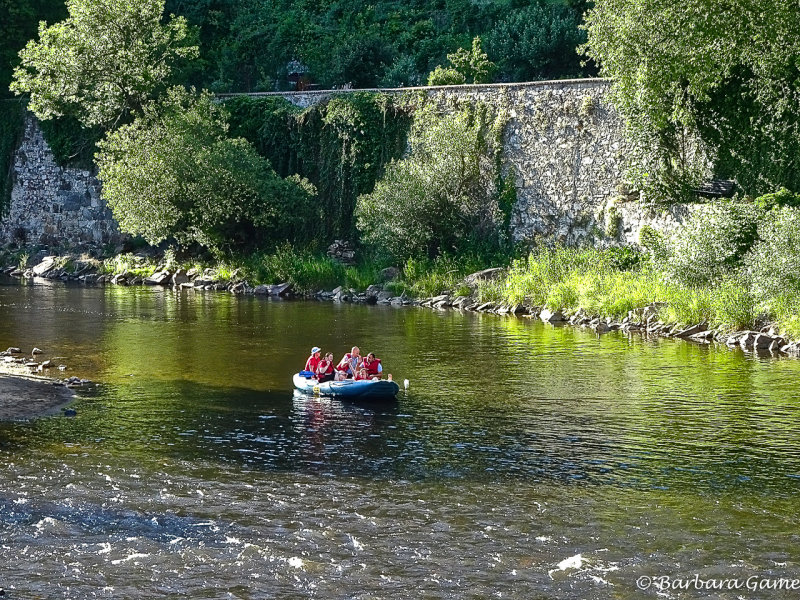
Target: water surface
{"x": 195, "y": 471}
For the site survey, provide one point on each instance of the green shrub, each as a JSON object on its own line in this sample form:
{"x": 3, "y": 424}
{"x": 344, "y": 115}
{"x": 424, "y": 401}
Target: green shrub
{"x": 446, "y": 76}
{"x": 733, "y": 305}
{"x": 653, "y": 241}
{"x": 442, "y": 198}
{"x": 712, "y": 244}
{"x": 175, "y": 173}
{"x": 625, "y": 258}
{"x": 774, "y": 262}
{"x": 782, "y": 197}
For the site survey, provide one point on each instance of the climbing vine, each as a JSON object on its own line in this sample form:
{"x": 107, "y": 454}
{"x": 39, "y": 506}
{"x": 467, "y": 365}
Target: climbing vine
{"x": 340, "y": 145}
{"x": 72, "y": 144}
{"x": 12, "y": 121}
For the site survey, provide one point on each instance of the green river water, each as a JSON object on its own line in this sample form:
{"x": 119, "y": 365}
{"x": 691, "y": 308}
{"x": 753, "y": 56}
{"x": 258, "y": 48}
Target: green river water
{"x": 524, "y": 461}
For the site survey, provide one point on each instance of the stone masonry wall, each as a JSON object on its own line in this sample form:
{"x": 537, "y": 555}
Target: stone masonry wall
{"x": 52, "y": 205}
{"x": 564, "y": 148}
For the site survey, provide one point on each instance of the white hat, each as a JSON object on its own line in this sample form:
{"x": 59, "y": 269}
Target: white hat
{"x": 314, "y": 349}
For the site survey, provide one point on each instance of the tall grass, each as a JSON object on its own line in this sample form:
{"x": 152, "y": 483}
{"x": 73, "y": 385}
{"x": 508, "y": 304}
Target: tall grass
{"x": 424, "y": 277}
{"x": 306, "y": 271}
{"x": 571, "y": 280}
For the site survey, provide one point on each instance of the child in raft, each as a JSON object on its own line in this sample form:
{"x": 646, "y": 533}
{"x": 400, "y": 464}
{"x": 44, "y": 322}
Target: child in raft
{"x": 362, "y": 375}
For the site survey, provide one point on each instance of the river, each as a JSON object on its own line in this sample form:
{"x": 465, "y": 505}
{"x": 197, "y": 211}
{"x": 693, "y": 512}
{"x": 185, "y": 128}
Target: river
{"x": 524, "y": 461}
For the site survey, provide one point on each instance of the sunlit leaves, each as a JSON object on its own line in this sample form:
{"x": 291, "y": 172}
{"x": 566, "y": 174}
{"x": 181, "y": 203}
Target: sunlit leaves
{"x": 728, "y": 70}
{"x": 104, "y": 62}
{"x": 174, "y": 172}
{"x": 442, "y": 197}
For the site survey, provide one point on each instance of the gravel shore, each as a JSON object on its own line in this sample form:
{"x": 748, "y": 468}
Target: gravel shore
{"x": 26, "y": 397}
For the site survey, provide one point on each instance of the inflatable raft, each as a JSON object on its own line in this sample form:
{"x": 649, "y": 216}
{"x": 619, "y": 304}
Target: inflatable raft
{"x": 380, "y": 389}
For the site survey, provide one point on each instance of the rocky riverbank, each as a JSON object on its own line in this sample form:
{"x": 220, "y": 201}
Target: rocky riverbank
{"x": 643, "y": 320}
{"x": 24, "y": 394}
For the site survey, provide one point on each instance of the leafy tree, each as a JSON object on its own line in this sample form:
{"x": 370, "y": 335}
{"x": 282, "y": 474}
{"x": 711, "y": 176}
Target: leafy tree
{"x": 537, "y": 42}
{"x": 402, "y": 72}
{"x": 701, "y": 80}
{"x": 471, "y": 64}
{"x": 173, "y": 172}
{"x": 103, "y": 63}
{"x": 443, "y": 197}
{"x": 446, "y": 76}
{"x": 474, "y": 63}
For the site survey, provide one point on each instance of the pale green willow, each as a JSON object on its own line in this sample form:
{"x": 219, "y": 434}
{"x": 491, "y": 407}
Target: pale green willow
{"x": 107, "y": 60}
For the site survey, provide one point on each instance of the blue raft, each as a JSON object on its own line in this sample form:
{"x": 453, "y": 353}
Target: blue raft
{"x": 380, "y": 389}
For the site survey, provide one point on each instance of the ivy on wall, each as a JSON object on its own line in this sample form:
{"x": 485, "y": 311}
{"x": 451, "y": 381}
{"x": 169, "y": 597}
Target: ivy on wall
{"x": 72, "y": 144}
{"x": 340, "y": 145}
{"x": 12, "y": 123}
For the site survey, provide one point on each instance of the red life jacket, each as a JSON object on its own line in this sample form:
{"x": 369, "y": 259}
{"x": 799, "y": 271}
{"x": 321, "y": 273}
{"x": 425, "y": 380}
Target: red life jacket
{"x": 328, "y": 370}
{"x": 312, "y": 363}
{"x": 372, "y": 368}
{"x": 348, "y": 360}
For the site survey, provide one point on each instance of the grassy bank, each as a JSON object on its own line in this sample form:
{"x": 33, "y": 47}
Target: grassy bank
{"x": 600, "y": 284}
{"x": 306, "y": 271}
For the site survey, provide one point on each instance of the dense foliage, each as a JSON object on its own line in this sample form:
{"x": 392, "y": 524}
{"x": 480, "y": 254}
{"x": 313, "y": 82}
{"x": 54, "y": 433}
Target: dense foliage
{"x": 249, "y": 45}
{"x": 705, "y": 80}
{"x": 445, "y": 195}
{"x": 19, "y": 20}
{"x": 473, "y": 65}
{"x": 174, "y": 172}
{"x": 11, "y": 125}
{"x": 73, "y": 145}
{"x": 106, "y": 61}
{"x": 341, "y": 146}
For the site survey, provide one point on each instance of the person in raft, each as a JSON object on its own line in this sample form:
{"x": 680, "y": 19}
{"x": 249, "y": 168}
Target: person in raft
{"x": 373, "y": 366}
{"x": 313, "y": 361}
{"x": 324, "y": 370}
{"x": 351, "y": 362}
{"x": 361, "y": 374}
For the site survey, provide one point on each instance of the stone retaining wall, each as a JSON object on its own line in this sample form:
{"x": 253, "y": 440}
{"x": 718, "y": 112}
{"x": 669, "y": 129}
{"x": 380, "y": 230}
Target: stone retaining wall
{"x": 564, "y": 149}
{"x": 52, "y": 205}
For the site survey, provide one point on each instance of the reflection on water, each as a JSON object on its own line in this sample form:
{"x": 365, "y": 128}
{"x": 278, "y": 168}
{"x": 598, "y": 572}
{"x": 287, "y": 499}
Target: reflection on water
{"x": 195, "y": 469}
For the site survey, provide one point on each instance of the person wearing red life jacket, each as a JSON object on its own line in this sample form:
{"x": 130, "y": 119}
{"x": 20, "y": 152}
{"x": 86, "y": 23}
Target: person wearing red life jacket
{"x": 325, "y": 368}
{"x": 373, "y": 365}
{"x": 351, "y": 362}
{"x": 361, "y": 375}
{"x": 313, "y": 361}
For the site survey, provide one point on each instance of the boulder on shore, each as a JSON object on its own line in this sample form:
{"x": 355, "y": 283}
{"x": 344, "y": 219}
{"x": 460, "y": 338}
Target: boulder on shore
{"x": 549, "y": 316}
{"x": 281, "y": 289}
{"x": 159, "y": 278}
{"x": 48, "y": 264}
{"x": 180, "y": 277}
